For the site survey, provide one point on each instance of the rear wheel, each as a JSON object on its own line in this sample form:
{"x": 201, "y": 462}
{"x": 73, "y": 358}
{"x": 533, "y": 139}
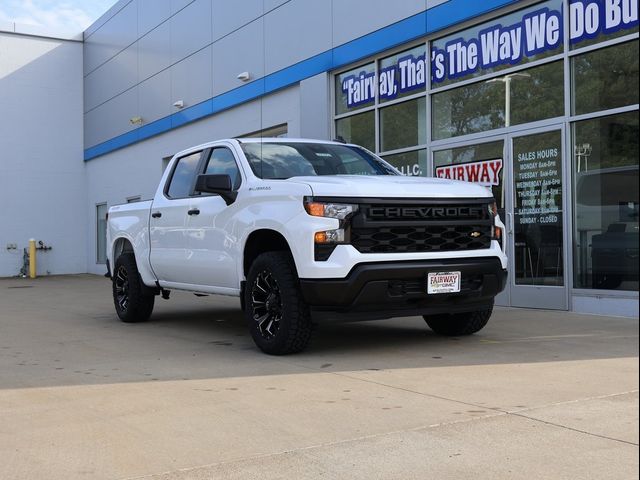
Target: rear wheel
{"x": 132, "y": 304}
{"x": 279, "y": 320}
{"x": 459, "y": 324}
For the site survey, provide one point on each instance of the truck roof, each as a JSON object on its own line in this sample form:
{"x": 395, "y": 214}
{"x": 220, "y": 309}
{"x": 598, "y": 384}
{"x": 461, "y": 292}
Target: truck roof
{"x": 284, "y": 140}
{"x": 202, "y": 146}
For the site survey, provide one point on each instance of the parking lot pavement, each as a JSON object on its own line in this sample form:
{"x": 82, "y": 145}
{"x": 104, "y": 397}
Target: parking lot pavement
{"x": 537, "y": 394}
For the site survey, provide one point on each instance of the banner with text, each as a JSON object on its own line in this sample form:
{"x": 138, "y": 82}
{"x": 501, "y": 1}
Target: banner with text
{"x": 535, "y": 32}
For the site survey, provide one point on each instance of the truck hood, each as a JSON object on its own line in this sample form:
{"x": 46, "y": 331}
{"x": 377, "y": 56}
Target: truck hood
{"x": 390, "y": 186}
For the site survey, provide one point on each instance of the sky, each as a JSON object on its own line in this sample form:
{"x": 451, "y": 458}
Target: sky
{"x": 72, "y": 16}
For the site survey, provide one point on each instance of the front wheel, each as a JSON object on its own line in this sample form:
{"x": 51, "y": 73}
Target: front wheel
{"x": 132, "y": 305}
{"x": 279, "y": 320}
{"x": 459, "y": 324}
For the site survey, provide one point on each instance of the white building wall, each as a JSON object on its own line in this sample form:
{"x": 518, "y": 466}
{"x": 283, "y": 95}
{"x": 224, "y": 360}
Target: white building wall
{"x": 42, "y": 178}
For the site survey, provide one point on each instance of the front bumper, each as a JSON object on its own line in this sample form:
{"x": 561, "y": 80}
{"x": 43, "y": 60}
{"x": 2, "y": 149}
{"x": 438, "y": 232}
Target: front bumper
{"x": 391, "y": 289}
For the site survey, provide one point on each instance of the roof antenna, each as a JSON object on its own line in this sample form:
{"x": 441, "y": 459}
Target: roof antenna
{"x": 339, "y": 139}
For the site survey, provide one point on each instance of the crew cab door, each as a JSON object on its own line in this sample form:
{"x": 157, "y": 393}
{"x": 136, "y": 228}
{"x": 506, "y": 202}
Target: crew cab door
{"x": 167, "y": 225}
{"x": 212, "y": 252}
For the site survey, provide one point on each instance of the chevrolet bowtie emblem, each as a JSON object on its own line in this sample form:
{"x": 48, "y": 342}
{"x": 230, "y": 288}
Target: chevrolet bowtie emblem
{"x": 475, "y": 234}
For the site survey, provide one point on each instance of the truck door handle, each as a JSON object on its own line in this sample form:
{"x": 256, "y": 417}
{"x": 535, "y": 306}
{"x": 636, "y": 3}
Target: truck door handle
{"x": 156, "y": 214}
{"x": 193, "y": 211}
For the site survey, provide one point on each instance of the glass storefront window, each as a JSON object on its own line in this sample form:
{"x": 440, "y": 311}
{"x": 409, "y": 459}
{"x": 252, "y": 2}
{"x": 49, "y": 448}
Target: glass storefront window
{"x": 594, "y": 21}
{"x": 403, "y": 74}
{"x": 403, "y": 125}
{"x": 355, "y": 89}
{"x": 520, "y": 37}
{"x": 470, "y": 109}
{"x": 521, "y": 97}
{"x": 481, "y": 163}
{"x": 359, "y": 129}
{"x": 409, "y": 163}
{"x": 538, "y": 94}
{"x": 605, "y": 179}
{"x": 605, "y": 78}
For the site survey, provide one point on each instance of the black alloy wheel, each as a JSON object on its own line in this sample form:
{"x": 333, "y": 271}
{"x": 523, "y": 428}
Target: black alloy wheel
{"x": 121, "y": 288}
{"x": 266, "y": 304}
{"x": 132, "y": 302}
{"x": 278, "y": 318}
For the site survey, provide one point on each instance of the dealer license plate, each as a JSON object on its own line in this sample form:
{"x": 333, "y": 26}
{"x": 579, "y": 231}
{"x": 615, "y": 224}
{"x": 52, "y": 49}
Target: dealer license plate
{"x": 443, "y": 282}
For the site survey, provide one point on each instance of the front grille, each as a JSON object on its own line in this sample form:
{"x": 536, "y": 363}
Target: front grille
{"x": 401, "y": 227}
{"x": 420, "y": 239}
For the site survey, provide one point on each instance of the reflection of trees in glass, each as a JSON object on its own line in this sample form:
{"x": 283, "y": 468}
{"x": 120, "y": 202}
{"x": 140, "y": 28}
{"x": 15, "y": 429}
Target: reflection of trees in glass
{"x": 539, "y": 96}
{"x": 613, "y": 141}
{"x": 536, "y": 94}
{"x": 606, "y": 78}
{"x": 469, "y": 109}
{"x": 403, "y": 125}
{"x": 359, "y": 129}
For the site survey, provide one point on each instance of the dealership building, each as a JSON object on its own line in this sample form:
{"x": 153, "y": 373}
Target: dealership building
{"x": 538, "y": 101}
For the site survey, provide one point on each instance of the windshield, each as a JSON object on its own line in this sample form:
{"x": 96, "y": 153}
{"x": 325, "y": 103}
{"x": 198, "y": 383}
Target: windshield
{"x": 286, "y": 160}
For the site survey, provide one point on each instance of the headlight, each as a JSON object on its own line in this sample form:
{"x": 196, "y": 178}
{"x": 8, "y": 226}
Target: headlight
{"x": 330, "y": 210}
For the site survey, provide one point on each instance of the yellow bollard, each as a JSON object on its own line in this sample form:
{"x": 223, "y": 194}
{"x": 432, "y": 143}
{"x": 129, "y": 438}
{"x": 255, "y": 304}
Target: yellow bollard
{"x": 32, "y": 258}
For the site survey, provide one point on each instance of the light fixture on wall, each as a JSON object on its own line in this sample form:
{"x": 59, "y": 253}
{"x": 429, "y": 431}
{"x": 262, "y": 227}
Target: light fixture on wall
{"x": 179, "y": 104}
{"x": 244, "y": 76}
{"x": 137, "y": 120}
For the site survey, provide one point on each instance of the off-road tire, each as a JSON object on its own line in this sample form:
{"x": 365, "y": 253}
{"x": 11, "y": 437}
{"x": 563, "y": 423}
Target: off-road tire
{"x": 294, "y": 326}
{"x": 138, "y": 305}
{"x": 459, "y": 324}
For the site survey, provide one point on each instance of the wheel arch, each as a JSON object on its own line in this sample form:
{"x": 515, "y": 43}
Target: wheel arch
{"x": 121, "y": 245}
{"x": 262, "y": 241}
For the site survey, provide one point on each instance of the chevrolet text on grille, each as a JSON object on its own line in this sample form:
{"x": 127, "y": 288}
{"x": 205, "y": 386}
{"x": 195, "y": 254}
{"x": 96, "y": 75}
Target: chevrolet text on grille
{"x": 426, "y": 212}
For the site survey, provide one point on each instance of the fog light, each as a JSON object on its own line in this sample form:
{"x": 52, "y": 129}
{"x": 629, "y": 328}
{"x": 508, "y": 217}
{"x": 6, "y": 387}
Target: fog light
{"x": 329, "y": 236}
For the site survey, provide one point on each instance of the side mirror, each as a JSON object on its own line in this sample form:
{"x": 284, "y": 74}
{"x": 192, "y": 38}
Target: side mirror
{"x": 217, "y": 184}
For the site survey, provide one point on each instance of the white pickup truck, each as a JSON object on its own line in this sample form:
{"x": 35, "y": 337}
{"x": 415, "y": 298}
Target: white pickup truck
{"x": 303, "y": 229}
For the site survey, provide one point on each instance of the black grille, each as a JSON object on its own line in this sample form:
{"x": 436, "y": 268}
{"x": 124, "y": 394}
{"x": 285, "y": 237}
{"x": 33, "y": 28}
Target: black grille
{"x": 457, "y": 226}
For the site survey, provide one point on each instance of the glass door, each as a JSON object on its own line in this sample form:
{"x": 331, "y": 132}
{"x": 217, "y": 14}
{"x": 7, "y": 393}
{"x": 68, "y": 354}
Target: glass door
{"x": 482, "y": 163}
{"x": 535, "y": 220}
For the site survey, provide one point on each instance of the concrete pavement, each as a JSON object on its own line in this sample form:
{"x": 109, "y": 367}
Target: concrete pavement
{"x": 536, "y": 394}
